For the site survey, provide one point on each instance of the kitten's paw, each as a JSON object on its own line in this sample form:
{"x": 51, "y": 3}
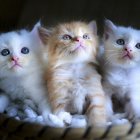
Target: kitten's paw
{"x": 54, "y": 121}
{"x": 38, "y": 119}
{"x": 65, "y": 117}
{"x": 120, "y": 121}
{"x": 30, "y": 113}
{"x": 79, "y": 121}
{"x": 12, "y": 111}
{"x": 119, "y": 116}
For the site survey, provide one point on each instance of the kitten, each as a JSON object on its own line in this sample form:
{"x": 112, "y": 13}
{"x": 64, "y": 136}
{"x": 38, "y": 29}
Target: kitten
{"x": 121, "y": 67}
{"x": 72, "y": 79}
{"x": 21, "y": 69}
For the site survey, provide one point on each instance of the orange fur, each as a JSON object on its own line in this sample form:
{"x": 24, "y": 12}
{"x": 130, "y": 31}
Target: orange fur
{"x": 71, "y": 74}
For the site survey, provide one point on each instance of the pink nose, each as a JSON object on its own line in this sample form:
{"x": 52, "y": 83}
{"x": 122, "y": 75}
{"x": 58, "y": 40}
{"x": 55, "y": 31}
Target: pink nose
{"x": 14, "y": 58}
{"x": 127, "y": 50}
{"x": 77, "y": 39}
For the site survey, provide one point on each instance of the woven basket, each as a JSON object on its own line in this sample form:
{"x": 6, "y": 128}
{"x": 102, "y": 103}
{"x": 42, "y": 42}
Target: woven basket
{"x": 11, "y": 129}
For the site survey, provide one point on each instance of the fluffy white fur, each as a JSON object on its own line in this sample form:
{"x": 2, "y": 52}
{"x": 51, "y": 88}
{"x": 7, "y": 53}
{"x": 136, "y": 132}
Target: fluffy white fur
{"x": 24, "y": 81}
{"x": 121, "y": 74}
{"x": 4, "y": 101}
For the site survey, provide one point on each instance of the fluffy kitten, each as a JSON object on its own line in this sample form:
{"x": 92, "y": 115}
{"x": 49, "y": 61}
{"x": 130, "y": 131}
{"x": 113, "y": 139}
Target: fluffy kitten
{"x": 21, "y": 69}
{"x": 72, "y": 79}
{"x": 121, "y": 67}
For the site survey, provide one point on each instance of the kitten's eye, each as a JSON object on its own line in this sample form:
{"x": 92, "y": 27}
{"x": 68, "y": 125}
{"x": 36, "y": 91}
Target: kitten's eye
{"x": 138, "y": 46}
{"x": 120, "y": 42}
{"x": 5, "y": 52}
{"x": 25, "y": 50}
{"x": 85, "y": 36}
{"x": 67, "y": 37}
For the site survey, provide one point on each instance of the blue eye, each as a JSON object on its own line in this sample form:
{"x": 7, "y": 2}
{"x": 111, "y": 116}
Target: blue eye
{"x": 120, "y": 42}
{"x": 85, "y": 36}
{"x": 25, "y": 50}
{"x": 67, "y": 37}
{"x": 5, "y": 52}
{"x": 138, "y": 46}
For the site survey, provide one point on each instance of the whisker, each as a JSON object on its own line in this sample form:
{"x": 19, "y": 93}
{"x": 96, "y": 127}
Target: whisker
{"x": 107, "y": 60}
{"x": 110, "y": 50}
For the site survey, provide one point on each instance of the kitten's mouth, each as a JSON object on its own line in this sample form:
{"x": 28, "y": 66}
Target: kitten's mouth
{"x": 79, "y": 47}
{"x": 16, "y": 65}
{"x": 128, "y": 55}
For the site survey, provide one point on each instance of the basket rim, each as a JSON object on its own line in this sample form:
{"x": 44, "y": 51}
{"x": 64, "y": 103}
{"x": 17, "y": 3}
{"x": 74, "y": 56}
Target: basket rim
{"x": 19, "y": 128}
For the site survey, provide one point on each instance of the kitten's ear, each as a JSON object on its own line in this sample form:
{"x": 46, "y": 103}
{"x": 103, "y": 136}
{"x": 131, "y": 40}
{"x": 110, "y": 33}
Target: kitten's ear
{"x": 93, "y": 26}
{"x": 44, "y": 34}
{"x": 109, "y": 28}
{"x": 35, "y": 28}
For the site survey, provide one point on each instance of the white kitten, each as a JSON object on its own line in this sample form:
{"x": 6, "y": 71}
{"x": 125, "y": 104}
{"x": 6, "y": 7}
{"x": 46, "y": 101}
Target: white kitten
{"x": 121, "y": 67}
{"x": 21, "y": 69}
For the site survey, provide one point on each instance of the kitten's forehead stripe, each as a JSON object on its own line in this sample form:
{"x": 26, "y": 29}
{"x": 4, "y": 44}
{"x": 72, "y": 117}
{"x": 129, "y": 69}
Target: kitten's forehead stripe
{"x": 73, "y": 28}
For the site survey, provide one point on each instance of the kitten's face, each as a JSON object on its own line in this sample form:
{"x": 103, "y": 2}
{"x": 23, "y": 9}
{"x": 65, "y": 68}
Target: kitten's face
{"x": 122, "y": 45}
{"x": 74, "y": 42}
{"x": 16, "y": 52}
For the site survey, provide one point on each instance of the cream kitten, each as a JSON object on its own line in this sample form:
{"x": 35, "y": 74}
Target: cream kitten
{"x": 72, "y": 79}
{"x": 21, "y": 69}
{"x": 121, "y": 67}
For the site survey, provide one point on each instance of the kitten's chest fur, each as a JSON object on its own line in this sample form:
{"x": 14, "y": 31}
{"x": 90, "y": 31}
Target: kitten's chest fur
{"x": 74, "y": 72}
{"x": 117, "y": 77}
{"x": 77, "y": 81}
{"x": 122, "y": 80}
{"x": 13, "y": 87}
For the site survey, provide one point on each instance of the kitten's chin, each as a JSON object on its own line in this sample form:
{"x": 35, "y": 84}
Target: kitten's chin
{"x": 79, "y": 48}
{"x": 81, "y": 57}
{"x": 16, "y": 68}
{"x": 16, "y": 71}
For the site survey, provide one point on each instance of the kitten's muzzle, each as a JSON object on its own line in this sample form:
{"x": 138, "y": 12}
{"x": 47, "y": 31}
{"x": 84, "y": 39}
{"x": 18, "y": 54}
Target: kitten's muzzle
{"x": 14, "y": 58}
{"x": 128, "y": 50}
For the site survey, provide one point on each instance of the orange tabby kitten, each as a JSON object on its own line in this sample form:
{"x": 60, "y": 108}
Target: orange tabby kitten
{"x": 72, "y": 80}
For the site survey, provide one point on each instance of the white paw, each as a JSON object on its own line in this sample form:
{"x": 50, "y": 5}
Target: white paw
{"x": 65, "y": 117}
{"x": 78, "y": 121}
{"x": 54, "y": 121}
{"x": 108, "y": 123}
{"x": 30, "y": 113}
{"x": 119, "y": 121}
{"x": 11, "y": 111}
{"x": 38, "y": 119}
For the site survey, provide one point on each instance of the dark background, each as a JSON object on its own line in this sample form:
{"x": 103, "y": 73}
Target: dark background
{"x": 25, "y": 13}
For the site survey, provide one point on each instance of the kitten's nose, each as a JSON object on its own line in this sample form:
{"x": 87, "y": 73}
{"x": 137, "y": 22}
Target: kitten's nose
{"x": 127, "y": 49}
{"x": 14, "y": 58}
{"x": 77, "y": 39}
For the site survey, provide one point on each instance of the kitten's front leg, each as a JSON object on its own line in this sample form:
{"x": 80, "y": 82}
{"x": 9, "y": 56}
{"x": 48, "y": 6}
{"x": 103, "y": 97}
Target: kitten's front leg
{"x": 4, "y": 102}
{"x": 50, "y": 119}
{"x": 59, "y": 101}
{"x": 58, "y": 108}
{"x": 109, "y": 107}
{"x": 132, "y": 106}
{"x": 38, "y": 97}
{"x": 97, "y": 110}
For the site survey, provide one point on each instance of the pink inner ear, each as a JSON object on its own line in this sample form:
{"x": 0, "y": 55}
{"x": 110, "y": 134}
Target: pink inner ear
{"x": 106, "y": 36}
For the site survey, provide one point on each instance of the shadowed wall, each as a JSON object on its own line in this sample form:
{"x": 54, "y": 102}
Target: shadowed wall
{"x": 25, "y": 13}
